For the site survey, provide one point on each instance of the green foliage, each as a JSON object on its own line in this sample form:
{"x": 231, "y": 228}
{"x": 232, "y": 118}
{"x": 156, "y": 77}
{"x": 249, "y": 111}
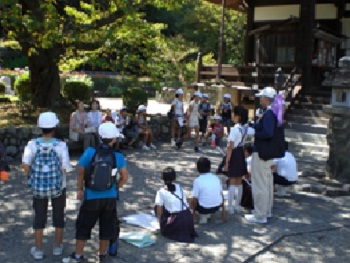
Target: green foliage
{"x": 78, "y": 87}
{"x": 2, "y": 88}
{"x": 133, "y": 97}
{"x": 115, "y": 92}
{"x": 22, "y": 87}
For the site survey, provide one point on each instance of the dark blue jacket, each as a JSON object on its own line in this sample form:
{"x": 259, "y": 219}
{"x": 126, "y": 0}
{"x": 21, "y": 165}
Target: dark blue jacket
{"x": 265, "y": 128}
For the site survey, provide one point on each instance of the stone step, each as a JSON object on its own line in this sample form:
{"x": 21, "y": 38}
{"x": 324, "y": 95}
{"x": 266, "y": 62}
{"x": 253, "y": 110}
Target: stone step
{"x": 296, "y": 136}
{"x": 306, "y": 119}
{"x": 309, "y": 128}
{"x": 307, "y": 147}
{"x": 318, "y": 188}
{"x": 314, "y": 99}
{"x": 309, "y": 113}
{"x": 307, "y": 106}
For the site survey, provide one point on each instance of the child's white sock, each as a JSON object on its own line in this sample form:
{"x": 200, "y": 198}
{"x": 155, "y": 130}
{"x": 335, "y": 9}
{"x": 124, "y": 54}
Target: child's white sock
{"x": 231, "y": 196}
{"x": 239, "y": 189}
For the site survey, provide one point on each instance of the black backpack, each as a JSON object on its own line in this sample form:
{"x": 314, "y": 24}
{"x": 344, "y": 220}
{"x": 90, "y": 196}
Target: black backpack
{"x": 99, "y": 175}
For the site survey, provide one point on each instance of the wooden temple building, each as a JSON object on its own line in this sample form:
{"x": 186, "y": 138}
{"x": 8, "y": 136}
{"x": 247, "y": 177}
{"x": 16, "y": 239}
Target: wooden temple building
{"x": 309, "y": 35}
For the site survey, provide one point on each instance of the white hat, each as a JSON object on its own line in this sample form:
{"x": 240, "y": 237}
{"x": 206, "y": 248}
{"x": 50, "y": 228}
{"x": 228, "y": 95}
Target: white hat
{"x": 217, "y": 117}
{"x": 268, "y": 92}
{"x": 197, "y": 94}
{"x": 108, "y": 131}
{"x": 179, "y": 91}
{"x": 47, "y": 120}
{"x": 124, "y": 108}
{"x": 227, "y": 96}
{"x": 142, "y": 108}
{"x": 205, "y": 95}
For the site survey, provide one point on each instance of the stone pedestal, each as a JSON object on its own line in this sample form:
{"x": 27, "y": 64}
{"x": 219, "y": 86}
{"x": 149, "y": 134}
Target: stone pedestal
{"x": 338, "y": 163}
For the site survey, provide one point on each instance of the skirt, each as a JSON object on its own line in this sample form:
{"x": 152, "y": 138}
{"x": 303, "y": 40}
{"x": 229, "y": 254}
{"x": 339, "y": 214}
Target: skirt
{"x": 237, "y": 165}
{"x": 178, "y": 226}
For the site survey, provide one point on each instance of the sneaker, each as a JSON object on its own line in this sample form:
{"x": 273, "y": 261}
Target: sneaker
{"x": 253, "y": 219}
{"x": 173, "y": 143}
{"x": 153, "y": 147}
{"x": 73, "y": 259}
{"x": 145, "y": 148}
{"x": 57, "y": 251}
{"x": 282, "y": 191}
{"x": 37, "y": 254}
{"x": 268, "y": 215}
{"x": 196, "y": 149}
{"x": 203, "y": 219}
{"x": 102, "y": 258}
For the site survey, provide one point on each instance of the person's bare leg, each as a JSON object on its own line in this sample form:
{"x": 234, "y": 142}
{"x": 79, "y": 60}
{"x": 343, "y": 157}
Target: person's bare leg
{"x": 58, "y": 236}
{"x": 103, "y": 247}
{"x": 79, "y": 247}
{"x": 38, "y": 236}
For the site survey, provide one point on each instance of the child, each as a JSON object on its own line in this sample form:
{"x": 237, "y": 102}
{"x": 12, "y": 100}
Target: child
{"x": 177, "y": 110}
{"x": 216, "y": 132}
{"x": 108, "y": 117}
{"x": 204, "y": 111}
{"x": 144, "y": 129}
{"x": 225, "y": 110}
{"x": 236, "y": 165}
{"x": 194, "y": 115}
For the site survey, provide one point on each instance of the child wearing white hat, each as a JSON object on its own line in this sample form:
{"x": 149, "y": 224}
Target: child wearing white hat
{"x": 225, "y": 111}
{"x": 141, "y": 121}
{"x": 177, "y": 113}
{"x": 194, "y": 118}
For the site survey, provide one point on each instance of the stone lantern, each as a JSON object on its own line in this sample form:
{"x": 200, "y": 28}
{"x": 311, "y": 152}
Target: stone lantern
{"x": 338, "y": 135}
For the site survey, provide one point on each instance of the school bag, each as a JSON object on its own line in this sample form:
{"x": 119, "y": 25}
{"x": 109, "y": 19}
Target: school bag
{"x": 46, "y": 174}
{"x": 99, "y": 175}
{"x": 4, "y": 167}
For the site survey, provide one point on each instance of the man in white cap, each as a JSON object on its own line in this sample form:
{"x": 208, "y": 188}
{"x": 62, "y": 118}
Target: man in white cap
{"x": 262, "y": 178}
{"x": 177, "y": 113}
{"x": 204, "y": 111}
{"x": 45, "y": 161}
{"x": 225, "y": 110}
{"x": 98, "y": 188}
{"x": 194, "y": 118}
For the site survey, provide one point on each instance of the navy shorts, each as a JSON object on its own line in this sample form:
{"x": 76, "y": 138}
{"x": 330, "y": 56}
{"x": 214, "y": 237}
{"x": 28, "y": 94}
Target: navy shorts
{"x": 205, "y": 211}
{"x": 103, "y": 210}
{"x": 58, "y": 209}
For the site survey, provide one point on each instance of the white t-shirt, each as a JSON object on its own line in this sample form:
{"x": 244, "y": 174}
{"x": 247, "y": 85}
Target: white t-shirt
{"x": 179, "y": 107}
{"x": 95, "y": 118}
{"x": 249, "y": 163}
{"x": 235, "y": 135}
{"x": 208, "y": 189}
{"x": 287, "y": 167}
{"x": 171, "y": 202}
{"x": 195, "y": 109}
{"x": 61, "y": 150}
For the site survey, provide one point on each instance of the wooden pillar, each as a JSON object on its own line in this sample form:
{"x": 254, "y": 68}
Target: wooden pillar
{"x": 249, "y": 40}
{"x": 221, "y": 41}
{"x": 306, "y": 29}
{"x": 199, "y": 67}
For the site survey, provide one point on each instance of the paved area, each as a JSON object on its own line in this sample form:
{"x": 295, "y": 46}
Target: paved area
{"x": 305, "y": 227}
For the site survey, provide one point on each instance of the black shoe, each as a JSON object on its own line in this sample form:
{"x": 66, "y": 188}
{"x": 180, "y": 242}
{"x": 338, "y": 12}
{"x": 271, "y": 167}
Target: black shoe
{"x": 196, "y": 149}
{"x": 73, "y": 259}
{"x": 102, "y": 258}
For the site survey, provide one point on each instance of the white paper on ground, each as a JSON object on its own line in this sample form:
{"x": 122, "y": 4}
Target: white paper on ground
{"x": 137, "y": 239}
{"x": 147, "y": 221}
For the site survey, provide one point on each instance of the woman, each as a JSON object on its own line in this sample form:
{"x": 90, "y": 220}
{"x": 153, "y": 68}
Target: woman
{"x": 236, "y": 165}
{"x": 79, "y": 121}
{"x": 144, "y": 129}
{"x": 194, "y": 118}
{"x": 172, "y": 210}
{"x": 177, "y": 110}
{"x": 94, "y": 115}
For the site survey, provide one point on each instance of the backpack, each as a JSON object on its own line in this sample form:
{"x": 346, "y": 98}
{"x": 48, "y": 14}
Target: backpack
{"x": 99, "y": 175}
{"x": 46, "y": 173}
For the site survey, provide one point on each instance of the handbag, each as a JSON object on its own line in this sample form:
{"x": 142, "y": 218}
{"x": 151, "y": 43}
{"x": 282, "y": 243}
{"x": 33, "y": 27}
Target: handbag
{"x": 274, "y": 147}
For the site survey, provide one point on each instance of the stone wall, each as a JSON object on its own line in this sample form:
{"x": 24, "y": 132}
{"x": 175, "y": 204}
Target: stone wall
{"x": 16, "y": 138}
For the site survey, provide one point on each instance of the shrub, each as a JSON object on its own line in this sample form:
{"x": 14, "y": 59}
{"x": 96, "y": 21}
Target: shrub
{"x": 113, "y": 91}
{"x": 133, "y": 97}
{"x": 78, "y": 87}
{"x": 22, "y": 87}
{"x": 2, "y": 88}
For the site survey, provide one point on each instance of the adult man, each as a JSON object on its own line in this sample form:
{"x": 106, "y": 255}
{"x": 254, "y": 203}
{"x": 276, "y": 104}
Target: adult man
{"x": 207, "y": 191}
{"x": 97, "y": 171}
{"x": 44, "y": 162}
{"x": 285, "y": 172}
{"x": 262, "y": 179}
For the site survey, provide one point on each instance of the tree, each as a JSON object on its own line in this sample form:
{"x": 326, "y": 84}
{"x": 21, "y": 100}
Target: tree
{"x": 71, "y": 32}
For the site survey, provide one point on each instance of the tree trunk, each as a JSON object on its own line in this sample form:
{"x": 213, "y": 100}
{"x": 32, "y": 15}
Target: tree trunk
{"x": 45, "y": 79}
